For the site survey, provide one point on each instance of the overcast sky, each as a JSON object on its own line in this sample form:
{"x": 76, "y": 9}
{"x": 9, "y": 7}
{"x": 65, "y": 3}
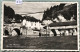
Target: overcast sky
{"x": 31, "y": 7}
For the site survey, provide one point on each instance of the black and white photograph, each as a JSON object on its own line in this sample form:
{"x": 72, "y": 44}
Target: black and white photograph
{"x": 40, "y": 26}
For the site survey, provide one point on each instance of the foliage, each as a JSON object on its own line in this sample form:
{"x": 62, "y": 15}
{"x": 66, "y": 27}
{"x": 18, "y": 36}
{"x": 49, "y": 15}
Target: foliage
{"x": 30, "y": 18}
{"x": 66, "y": 11}
{"x": 18, "y": 18}
{"x": 8, "y": 14}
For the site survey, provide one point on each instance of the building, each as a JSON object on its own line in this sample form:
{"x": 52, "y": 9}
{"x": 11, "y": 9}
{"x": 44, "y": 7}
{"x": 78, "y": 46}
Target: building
{"x": 32, "y": 24}
{"x": 64, "y": 28}
{"x": 47, "y": 21}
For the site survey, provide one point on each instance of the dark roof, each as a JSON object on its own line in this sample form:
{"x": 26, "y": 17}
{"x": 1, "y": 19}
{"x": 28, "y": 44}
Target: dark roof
{"x": 28, "y": 18}
{"x": 63, "y": 24}
{"x": 48, "y": 18}
{"x": 15, "y": 22}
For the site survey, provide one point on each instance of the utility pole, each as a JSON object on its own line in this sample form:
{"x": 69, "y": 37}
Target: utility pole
{"x": 47, "y": 29}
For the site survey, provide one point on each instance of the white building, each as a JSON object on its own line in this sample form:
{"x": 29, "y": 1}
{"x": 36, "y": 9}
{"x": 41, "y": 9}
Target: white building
{"x": 47, "y": 21}
{"x": 31, "y": 24}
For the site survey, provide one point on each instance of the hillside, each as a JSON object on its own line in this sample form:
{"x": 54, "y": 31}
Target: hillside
{"x": 66, "y": 11}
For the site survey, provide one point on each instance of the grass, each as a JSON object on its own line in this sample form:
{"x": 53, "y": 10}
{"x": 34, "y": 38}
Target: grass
{"x": 56, "y": 42}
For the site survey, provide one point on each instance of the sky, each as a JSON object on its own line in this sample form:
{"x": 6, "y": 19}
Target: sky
{"x": 32, "y": 7}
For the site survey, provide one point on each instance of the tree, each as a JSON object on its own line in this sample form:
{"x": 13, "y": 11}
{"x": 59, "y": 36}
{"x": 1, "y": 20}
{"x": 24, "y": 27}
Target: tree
{"x": 18, "y": 18}
{"x": 66, "y": 11}
{"x": 70, "y": 12}
{"x": 51, "y": 13}
{"x": 8, "y": 14}
{"x": 61, "y": 6}
{"x": 73, "y": 11}
{"x": 30, "y": 18}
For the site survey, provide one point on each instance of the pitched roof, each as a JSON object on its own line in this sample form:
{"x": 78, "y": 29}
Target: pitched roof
{"x": 63, "y": 24}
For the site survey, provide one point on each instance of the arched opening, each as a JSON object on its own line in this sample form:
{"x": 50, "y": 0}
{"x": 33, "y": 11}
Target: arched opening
{"x": 6, "y": 32}
{"x": 53, "y": 30}
{"x": 15, "y": 32}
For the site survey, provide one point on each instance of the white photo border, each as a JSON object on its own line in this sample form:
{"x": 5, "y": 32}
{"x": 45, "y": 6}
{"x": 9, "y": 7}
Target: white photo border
{"x": 38, "y": 49}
